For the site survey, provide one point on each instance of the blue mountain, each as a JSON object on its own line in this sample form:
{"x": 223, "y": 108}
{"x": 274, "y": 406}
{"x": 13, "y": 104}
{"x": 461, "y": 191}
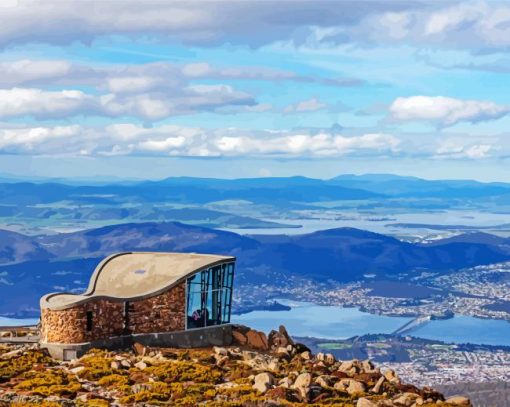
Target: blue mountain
{"x": 66, "y": 261}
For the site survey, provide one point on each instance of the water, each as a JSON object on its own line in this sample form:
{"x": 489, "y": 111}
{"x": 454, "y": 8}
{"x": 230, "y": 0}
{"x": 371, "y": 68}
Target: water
{"x": 337, "y": 219}
{"x": 327, "y": 322}
{"x": 462, "y": 329}
{"x": 333, "y": 322}
{"x": 18, "y": 322}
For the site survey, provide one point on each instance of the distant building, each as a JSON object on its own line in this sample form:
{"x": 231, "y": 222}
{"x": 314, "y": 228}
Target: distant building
{"x": 158, "y": 299}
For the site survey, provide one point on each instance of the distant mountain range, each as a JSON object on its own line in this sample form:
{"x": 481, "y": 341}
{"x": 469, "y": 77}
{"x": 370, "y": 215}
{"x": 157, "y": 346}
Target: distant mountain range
{"x": 290, "y": 189}
{"x": 33, "y": 266}
{"x": 40, "y": 206}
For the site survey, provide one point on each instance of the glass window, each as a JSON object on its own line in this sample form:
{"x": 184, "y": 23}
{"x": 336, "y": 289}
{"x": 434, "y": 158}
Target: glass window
{"x": 210, "y": 296}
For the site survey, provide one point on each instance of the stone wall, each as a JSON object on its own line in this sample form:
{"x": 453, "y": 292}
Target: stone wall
{"x": 161, "y": 313}
{"x": 70, "y": 325}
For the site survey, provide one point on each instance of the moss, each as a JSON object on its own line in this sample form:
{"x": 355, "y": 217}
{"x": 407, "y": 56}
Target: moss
{"x": 97, "y": 364}
{"x": 17, "y": 365}
{"x": 113, "y": 380}
{"x": 155, "y": 393}
{"x": 44, "y": 403}
{"x": 181, "y": 371}
{"x": 49, "y": 383}
{"x": 95, "y": 403}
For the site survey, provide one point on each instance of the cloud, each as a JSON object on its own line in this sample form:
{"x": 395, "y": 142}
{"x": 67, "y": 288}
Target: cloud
{"x": 455, "y": 148}
{"x": 252, "y": 23}
{"x": 139, "y": 78}
{"x": 147, "y": 91}
{"x": 35, "y": 138}
{"x": 451, "y": 24}
{"x": 472, "y": 25}
{"x": 43, "y": 104}
{"x": 172, "y": 140}
{"x": 28, "y": 72}
{"x": 309, "y": 105}
{"x": 155, "y": 105}
{"x": 445, "y": 111}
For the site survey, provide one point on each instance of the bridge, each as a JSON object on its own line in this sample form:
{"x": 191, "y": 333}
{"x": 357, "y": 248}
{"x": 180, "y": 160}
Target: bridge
{"x": 413, "y": 324}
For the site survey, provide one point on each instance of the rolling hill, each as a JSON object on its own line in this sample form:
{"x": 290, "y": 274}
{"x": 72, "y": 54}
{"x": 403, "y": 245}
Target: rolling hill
{"x": 66, "y": 261}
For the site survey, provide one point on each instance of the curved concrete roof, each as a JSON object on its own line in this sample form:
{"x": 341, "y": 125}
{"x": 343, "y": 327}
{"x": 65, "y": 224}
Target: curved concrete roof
{"x": 134, "y": 276}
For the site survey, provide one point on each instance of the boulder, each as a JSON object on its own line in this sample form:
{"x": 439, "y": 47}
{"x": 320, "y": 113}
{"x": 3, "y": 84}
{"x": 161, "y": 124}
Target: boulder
{"x": 329, "y": 359}
{"x": 125, "y": 363}
{"x": 377, "y": 387}
{"x": 221, "y": 360}
{"x": 279, "y": 338}
{"x": 339, "y": 375}
{"x": 263, "y": 382}
{"x": 367, "y": 377}
{"x": 306, "y": 355}
{"x": 324, "y": 381}
{"x": 77, "y": 369}
{"x": 405, "y": 399}
{"x": 302, "y": 384}
{"x": 391, "y": 376}
{"x": 285, "y": 382}
{"x": 280, "y": 393}
{"x": 459, "y": 401}
{"x": 141, "y": 365}
{"x": 139, "y": 349}
{"x": 282, "y": 352}
{"x": 350, "y": 386}
{"x": 303, "y": 380}
{"x": 248, "y": 355}
{"x": 257, "y": 340}
{"x": 346, "y": 366}
{"x": 220, "y": 351}
{"x": 115, "y": 365}
{"x": 300, "y": 348}
{"x": 239, "y": 333}
{"x": 259, "y": 361}
{"x": 364, "y": 402}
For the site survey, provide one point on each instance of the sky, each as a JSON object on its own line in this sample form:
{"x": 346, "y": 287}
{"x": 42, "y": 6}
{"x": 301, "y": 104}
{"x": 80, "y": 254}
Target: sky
{"x": 255, "y": 88}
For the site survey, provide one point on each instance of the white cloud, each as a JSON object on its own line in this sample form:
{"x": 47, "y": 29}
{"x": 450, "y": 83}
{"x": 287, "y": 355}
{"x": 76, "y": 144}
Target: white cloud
{"x": 29, "y": 139}
{"x": 26, "y": 71}
{"x": 169, "y": 143}
{"x": 321, "y": 144}
{"x": 478, "y": 25}
{"x": 444, "y": 110}
{"x": 457, "y": 148}
{"x": 248, "y": 22}
{"x": 42, "y": 104}
{"x": 125, "y": 138}
{"x": 148, "y": 106}
{"x": 453, "y": 24}
{"x": 309, "y": 105}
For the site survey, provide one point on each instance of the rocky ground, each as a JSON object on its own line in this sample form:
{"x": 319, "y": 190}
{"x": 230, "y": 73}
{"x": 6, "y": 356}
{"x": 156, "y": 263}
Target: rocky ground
{"x": 258, "y": 370}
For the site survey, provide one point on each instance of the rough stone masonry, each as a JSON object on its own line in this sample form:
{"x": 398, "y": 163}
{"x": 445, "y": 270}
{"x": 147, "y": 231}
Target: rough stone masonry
{"x": 164, "y": 312}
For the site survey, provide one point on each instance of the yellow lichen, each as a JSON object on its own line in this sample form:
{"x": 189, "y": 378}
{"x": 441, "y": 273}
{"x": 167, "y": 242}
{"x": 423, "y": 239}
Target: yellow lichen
{"x": 49, "y": 382}
{"x": 17, "y": 365}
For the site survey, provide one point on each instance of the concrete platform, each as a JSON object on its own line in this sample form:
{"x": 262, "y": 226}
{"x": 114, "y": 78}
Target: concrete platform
{"x": 219, "y": 335}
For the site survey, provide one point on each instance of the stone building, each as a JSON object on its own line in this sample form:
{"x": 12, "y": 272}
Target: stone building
{"x": 157, "y": 299}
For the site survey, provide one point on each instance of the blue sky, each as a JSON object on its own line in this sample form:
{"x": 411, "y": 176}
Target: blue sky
{"x": 245, "y": 88}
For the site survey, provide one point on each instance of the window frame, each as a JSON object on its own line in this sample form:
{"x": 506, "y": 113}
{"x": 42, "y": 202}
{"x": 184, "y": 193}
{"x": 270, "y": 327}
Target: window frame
{"x": 225, "y": 282}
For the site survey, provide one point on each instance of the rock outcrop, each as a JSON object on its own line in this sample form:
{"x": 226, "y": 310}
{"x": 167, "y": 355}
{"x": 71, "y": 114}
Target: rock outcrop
{"x": 259, "y": 370}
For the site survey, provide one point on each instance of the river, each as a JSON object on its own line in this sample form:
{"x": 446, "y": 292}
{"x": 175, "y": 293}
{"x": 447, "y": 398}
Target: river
{"x": 334, "y": 322}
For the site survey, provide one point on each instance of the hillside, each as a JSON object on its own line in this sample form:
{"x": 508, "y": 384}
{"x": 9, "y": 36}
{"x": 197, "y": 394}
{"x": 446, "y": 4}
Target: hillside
{"x": 270, "y": 371}
{"x": 64, "y": 262}
{"x": 16, "y": 248}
